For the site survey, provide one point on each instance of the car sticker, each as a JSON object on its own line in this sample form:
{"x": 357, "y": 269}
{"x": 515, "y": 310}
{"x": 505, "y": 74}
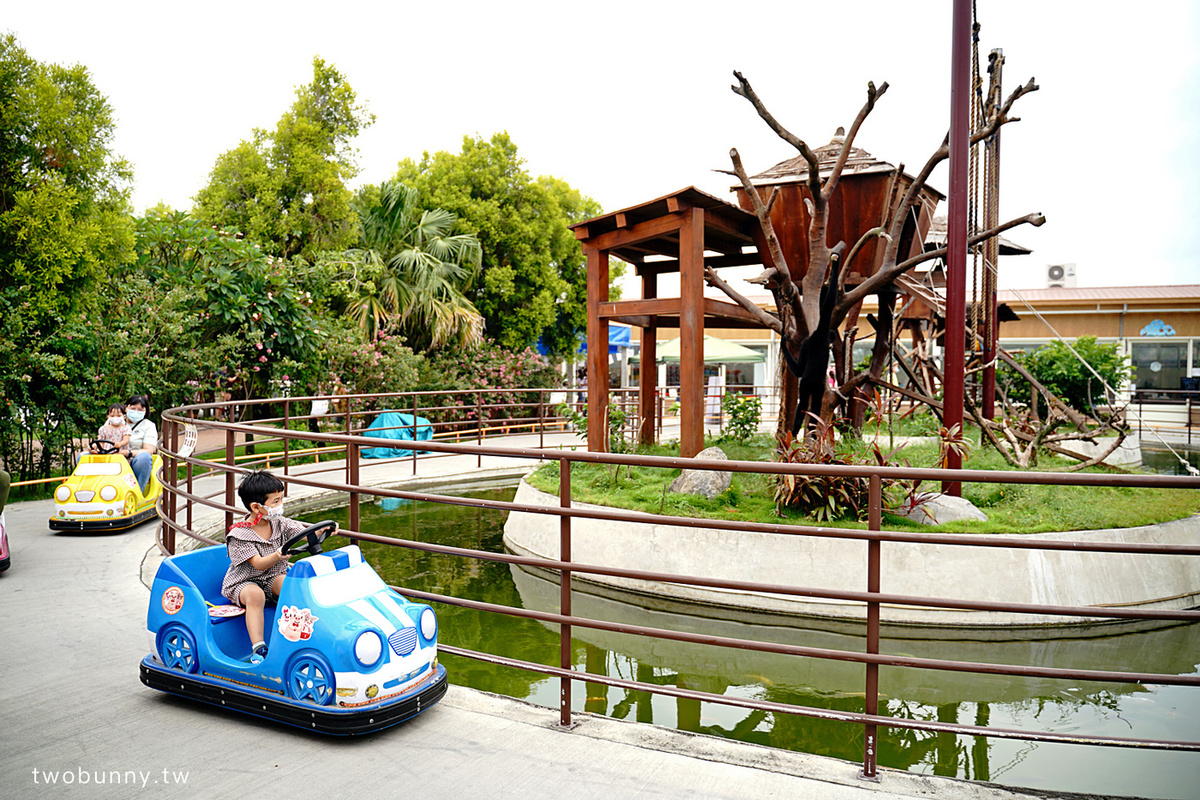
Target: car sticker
{"x": 131, "y": 481}
{"x": 296, "y": 623}
{"x": 172, "y": 600}
{"x": 225, "y": 611}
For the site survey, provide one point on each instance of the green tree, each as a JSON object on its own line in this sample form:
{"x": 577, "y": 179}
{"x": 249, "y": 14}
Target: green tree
{"x": 286, "y": 189}
{"x": 413, "y": 270}
{"x": 533, "y": 278}
{"x": 64, "y": 225}
{"x": 1058, "y": 369}
{"x": 233, "y": 289}
{"x": 63, "y": 193}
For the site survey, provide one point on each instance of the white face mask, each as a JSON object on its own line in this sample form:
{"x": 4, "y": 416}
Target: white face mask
{"x": 135, "y": 415}
{"x": 275, "y": 511}
{"x": 116, "y": 422}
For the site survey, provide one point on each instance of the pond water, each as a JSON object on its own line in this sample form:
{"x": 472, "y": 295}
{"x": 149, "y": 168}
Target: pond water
{"x": 1105, "y": 709}
{"x": 1165, "y": 462}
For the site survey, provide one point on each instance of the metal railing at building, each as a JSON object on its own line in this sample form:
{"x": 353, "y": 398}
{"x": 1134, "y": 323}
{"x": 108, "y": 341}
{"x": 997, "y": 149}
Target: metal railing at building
{"x": 274, "y": 423}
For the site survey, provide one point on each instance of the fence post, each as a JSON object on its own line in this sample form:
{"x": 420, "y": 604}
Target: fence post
{"x": 416, "y": 408}
{"x": 171, "y": 468}
{"x": 542, "y": 419}
{"x": 347, "y": 432}
{"x": 230, "y": 451}
{"x": 564, "y": 602}
{"x": 287, "y": 425}
{"x": 479, "y": 426}
{"x": 352, "y": 468}
{"x": 191, "y": 490}
{"x": 871, "y": 733}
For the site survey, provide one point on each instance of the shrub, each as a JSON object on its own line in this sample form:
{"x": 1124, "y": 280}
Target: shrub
{"x": 489, "y": 366}
{"x": 1057, "y": 368}
{"x": 744, "y": 412}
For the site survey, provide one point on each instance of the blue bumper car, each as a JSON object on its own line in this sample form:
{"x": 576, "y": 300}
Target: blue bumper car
{"x": 347, "y": 655}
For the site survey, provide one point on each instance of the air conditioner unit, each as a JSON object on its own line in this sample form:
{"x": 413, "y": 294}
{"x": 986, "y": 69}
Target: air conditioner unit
{"x": 1060, "y": 276}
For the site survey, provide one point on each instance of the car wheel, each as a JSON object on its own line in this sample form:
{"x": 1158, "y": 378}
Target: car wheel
{"x": 130, "y": 504}
{"x": 177, "y": 647}
{"x": 310, "y": 679}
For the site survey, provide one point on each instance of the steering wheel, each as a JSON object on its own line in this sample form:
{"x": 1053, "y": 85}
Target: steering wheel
{"x": 314, "y": 534}
{"x": 104, "y": 448}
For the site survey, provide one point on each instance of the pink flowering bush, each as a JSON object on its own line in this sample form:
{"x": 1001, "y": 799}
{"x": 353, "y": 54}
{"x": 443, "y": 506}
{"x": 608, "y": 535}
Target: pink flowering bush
{"x": 497, "y": 373}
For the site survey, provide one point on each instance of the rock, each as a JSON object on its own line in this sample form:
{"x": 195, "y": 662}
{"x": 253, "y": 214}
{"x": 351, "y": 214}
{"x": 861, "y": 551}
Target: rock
{"x": 708, "y": 483}
{"x": 941, "y": 508}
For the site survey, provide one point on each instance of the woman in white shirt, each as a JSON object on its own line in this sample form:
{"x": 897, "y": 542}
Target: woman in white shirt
{"x": 143, "y": 438}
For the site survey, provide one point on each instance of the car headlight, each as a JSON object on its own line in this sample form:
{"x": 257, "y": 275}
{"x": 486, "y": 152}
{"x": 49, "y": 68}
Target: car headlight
{"x": 428, "y": 625}
{"x": 62, "y": 494}
{"x": 368, "y": 648}
{"x": 108, "y": 493}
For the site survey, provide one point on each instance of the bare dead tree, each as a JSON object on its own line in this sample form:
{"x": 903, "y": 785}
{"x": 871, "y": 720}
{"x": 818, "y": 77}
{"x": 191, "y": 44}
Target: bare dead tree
{"x": 809, "y": 313}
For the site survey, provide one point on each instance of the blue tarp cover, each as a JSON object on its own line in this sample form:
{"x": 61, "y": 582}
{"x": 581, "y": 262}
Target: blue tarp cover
{"x": 618, "y": 336}
{"x": 401, "y": 430}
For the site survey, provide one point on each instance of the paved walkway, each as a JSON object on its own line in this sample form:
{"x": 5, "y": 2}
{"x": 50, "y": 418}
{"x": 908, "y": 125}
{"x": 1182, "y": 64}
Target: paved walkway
{"x": 78, "y": 722}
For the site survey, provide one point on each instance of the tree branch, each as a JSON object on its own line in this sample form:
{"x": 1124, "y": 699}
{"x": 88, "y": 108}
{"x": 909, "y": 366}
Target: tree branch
{"x": 744, "y": 89}
{"x": 879, "y": 231}
{"x": 886, "y": 276}
{"x": 1051, "y": 399}
{"x": 768, "y": 319}
{"x": 781, "y": 272}
{"x": 942, "y": 153}
{"x": 873, "y": 94}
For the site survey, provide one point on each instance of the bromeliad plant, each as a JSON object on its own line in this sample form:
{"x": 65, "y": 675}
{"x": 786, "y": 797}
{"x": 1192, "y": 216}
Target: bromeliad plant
{"x": 828, "y": 497}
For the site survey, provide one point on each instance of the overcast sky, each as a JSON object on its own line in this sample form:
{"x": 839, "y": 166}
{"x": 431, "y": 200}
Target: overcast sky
{"x": 628, "y": 101}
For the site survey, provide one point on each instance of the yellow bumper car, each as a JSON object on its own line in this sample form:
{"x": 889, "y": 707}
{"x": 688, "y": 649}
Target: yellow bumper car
{"x": 103, "y": 495}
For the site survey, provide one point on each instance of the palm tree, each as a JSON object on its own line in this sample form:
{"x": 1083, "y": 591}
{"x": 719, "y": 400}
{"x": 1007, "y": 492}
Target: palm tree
{"x": 418, "y": 269}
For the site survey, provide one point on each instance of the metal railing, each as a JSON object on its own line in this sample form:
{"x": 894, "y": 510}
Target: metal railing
{"x": 181, "y": 498}
{"x": 1179, "y": 409}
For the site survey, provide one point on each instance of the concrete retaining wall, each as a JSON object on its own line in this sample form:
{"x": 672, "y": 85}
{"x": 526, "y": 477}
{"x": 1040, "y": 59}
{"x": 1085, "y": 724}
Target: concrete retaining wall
{"x": 975, "y": 573}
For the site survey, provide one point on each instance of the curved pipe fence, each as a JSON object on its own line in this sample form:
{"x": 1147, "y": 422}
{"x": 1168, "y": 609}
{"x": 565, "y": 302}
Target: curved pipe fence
{"x": 330, "y": 461}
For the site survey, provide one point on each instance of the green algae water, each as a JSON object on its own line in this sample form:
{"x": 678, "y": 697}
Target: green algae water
{"x": 1093, "y": 709}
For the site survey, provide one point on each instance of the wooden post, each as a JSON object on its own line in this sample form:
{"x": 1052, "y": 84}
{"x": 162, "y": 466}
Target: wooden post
{"x": 691, "y": 333}
{"x": 991, "y": 257}
{"x": 597, "y": 357}
{"x": 648, "y": 370}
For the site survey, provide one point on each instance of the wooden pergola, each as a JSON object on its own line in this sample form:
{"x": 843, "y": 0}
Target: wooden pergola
{"x": 681, "y": 232}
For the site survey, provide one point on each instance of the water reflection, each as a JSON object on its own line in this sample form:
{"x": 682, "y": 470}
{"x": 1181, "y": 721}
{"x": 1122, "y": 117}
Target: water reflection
{"x": 1165, "y": 462}
{"x": 1092, "y": 708}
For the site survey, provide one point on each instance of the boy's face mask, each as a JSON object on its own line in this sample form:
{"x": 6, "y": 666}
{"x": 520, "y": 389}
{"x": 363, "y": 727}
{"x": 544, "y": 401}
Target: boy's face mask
{"x": 275, "y": 511}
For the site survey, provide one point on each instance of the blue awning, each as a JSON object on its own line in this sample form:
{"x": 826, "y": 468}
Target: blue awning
{"x": 618, "y": 336}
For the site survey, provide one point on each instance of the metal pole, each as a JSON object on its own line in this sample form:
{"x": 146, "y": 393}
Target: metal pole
{"x": 287, "y": 425}
{"x": 416, "y": 408}
{"x": 870, "y": 732}
{"x": 191, "y": 490}
{"x": 352, "y": 466}
{"x": 564, "y": 554}
{"x": 956, "y": 254}
{"x": 479, "y": 426}
{"x": 172, "y": 468}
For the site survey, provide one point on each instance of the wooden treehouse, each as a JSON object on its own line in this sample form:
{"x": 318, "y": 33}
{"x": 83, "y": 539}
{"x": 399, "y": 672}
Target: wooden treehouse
{"x": 688, "y": 230}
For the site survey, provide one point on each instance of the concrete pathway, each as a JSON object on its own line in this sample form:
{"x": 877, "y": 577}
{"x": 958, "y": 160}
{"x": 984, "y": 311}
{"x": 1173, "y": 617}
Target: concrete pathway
{"x": 77, "y": 722}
